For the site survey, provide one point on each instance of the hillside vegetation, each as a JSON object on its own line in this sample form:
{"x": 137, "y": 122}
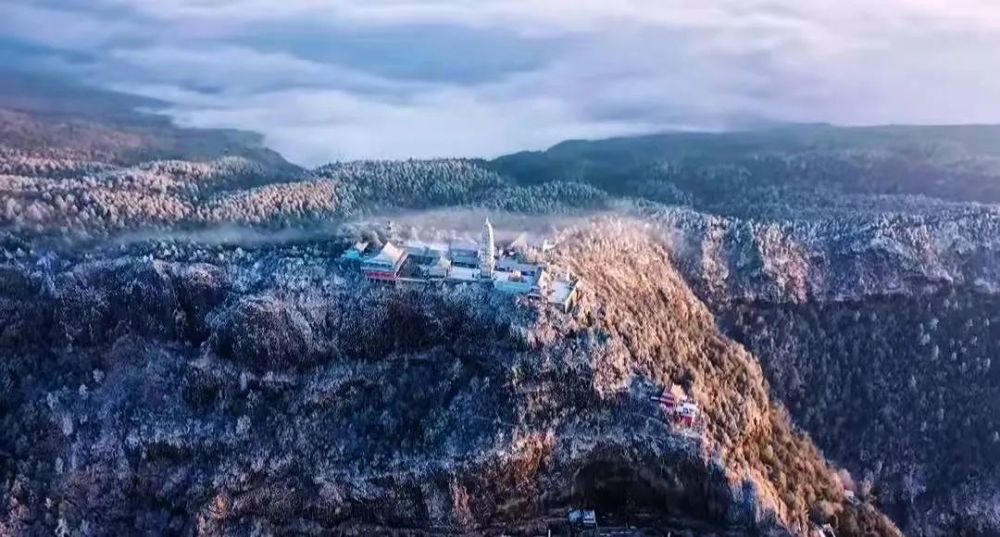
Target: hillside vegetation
{"x": 900, "y": 389}
{"x": 717, "y": 172}
{"x": 174, "y": 378}
{"x": 343, "y": 408}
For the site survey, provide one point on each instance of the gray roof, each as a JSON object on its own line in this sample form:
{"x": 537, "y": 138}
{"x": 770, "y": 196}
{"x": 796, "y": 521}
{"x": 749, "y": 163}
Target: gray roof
{"x": 465, "y": 245}
{"x": 510, "y": 263}
{"x": 389, "y": 255}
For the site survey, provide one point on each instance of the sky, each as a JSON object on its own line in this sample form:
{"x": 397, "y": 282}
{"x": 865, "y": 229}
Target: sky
{"x": 327, "y": 80}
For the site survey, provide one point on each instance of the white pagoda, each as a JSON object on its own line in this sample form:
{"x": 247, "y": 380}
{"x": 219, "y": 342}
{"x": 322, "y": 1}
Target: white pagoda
{"x": 487, "y": 252}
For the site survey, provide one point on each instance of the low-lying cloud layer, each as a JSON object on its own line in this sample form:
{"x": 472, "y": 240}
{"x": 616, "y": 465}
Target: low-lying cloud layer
{"x": 325, "y": 80}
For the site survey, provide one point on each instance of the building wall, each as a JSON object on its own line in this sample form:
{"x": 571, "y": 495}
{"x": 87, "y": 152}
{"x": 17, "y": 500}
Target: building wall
{"x": 522, "y": 287}
{"x": 381, "y": 276}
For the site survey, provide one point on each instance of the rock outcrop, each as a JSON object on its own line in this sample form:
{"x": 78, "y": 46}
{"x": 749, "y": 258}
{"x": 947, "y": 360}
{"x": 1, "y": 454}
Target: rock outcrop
{"x": 132, "y": 407}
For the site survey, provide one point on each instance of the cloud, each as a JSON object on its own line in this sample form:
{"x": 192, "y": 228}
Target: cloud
{"x": 329, "y": 80}
{"x": 319, "y": 124}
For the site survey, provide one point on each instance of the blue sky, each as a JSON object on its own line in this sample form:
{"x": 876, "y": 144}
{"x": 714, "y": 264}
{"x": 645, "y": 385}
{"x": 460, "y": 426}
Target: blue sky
{"x": 332, "y": 80}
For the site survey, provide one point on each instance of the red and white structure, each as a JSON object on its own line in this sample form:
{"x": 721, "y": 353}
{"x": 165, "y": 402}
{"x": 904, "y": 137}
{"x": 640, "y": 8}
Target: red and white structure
{"x": 679, "y": 408}
{"x": 668, "y": 401}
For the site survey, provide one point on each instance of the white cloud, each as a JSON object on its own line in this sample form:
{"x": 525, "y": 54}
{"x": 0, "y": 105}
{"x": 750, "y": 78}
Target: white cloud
{"x": 317, "y": 125}
{"x": 62, "y": 28}
{"x": 577, "y": 14}
{"x": 241, "y": 69}
{"x": 608, "y": 68}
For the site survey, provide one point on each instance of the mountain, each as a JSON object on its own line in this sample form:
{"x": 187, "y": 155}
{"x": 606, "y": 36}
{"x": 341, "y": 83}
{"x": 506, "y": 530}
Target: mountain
{"x": 183, "y": 354}
{"x": 859, "y": 265}
{"x": 48, "y": 123}
{"x": 181, "y": 396}
{"x": 737, "y": 173}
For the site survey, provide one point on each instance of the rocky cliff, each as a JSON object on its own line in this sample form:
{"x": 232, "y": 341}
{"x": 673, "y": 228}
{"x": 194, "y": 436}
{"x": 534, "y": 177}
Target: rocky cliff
{"x": 859, "y": 266}
{"x": 186, "y": 397}
{"x": 879, "y": 335}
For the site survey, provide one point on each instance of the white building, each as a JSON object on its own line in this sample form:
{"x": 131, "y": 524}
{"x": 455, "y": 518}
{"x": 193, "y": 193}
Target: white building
{"x": 464, "y": 253}
{"x": 511, "y": 264}
{"x": 487, "y": 251}
{"x": 431, "y": 259}
{"x": 513, "y": 282}
{"x": 386, "y": 264}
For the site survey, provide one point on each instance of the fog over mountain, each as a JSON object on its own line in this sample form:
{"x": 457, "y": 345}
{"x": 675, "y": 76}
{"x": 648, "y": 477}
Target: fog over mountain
{"x": 447, "y": 78}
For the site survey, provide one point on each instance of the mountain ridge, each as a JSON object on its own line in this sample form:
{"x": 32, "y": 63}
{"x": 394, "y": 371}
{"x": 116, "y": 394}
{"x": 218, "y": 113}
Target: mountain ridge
{"x": 759, "y": 243}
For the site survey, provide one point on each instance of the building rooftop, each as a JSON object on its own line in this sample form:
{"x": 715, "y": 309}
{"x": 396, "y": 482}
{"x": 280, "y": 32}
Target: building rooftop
{"x": 356, "y": 252}
{"x": 512, "y": 264}
{"x": 419, "y": 246}
{"x": 427, "y": 255}
{"x": 560, "y": 291}
{"x": 513, "y": 277}
{"x": 388, "y": 255}
{"x": 464, "y": 245}
{"x": 463, "y": 274}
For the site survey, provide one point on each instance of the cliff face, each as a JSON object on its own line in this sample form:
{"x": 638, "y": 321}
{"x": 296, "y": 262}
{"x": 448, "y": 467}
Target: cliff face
{"x": 665, "y": 334}
{"x": 212, "y": 398}
{"x": 879, "y": 335}
{"x": 900, "y": 390}
{"x": 860, "y": 267}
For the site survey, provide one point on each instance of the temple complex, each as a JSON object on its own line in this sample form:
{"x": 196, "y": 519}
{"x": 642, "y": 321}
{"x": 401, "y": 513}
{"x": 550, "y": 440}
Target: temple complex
{"x": 461, "y": 261}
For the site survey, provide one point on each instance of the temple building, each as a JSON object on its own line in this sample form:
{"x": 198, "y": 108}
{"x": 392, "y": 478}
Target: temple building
{"x": 463, "y": 261}
{"x": 385, "y": 265}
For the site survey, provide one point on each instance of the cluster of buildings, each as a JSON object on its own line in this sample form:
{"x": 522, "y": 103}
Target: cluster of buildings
{"x": 506, "y": 270}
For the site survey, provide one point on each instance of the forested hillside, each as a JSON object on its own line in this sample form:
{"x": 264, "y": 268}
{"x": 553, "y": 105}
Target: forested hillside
{"x": 858, "y": 266}
{"x": 800, "y": 167}
{"x": 187, "y": 397}
{"x": 902, "y": 389}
